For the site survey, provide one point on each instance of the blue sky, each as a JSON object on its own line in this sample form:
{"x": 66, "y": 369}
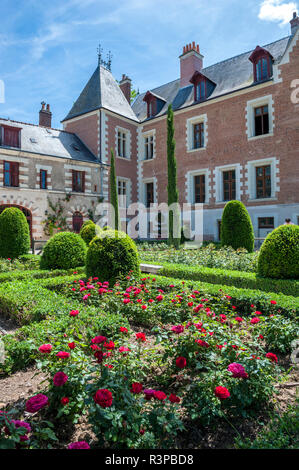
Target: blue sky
{"x": 48, "y": 49}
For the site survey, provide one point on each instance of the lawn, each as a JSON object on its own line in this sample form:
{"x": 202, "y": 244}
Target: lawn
{"x": 151, "y": 362}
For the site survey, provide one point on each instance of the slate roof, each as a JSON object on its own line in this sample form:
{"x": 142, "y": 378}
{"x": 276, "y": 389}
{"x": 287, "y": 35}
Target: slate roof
{"x": 102, "y": 91}
{"x": 229, "y": 75}
{"x": 51, "y": 142}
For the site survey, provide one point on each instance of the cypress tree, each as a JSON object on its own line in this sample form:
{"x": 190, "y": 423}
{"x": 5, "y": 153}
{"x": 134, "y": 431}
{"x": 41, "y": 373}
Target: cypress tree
{"x": 173, "y": 195}
{"x": 113, "y": 191}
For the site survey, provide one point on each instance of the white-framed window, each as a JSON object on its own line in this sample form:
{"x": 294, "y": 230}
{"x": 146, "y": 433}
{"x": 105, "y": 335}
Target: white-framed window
{"x": 123, "y": 143}
{"x": 198, "y": 186}
{"x": 260, "y": 117}
{"x": 149, "y": 140}
{"x": 197, "y": 133}
{"x": 227, "y": 183}
{"x": 262, "y": 179}
{"x": 124, "y": 191}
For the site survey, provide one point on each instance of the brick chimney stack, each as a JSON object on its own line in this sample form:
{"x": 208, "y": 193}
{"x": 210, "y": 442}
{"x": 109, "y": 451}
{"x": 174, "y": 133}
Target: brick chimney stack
{"x": 191, "y": 61}
{"x": 45, "y": 115}
{"x": 125, "y": 86}
{"x": 294, "y": 23}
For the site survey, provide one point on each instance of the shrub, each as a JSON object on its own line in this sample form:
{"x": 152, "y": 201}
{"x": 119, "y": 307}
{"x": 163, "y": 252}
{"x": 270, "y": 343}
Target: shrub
{"x": 279, "y": 254}
{"x": 63, "y": 251}
{"x": 111, "y": 255}
{"x": 14, "y": 233}
{"x": 87, "y": 222}
{"x": 88, "y": 232}
{"x": 236, "y": 227}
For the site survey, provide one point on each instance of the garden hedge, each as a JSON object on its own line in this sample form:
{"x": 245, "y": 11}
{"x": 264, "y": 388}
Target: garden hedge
{"x": 236, "y": 227}
{"x": 14, "y": 233}
{"x": 37, "y": 274}
{"x": 111, "y": 255}
{"x": 88, "y": 232}
{"x": 245, "y": 280}
{"x": 64, "y": 250}
{"x": 279, "y": 254}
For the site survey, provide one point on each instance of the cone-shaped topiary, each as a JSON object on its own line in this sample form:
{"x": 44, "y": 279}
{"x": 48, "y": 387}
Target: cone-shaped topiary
{"x": 14, "y": 233}
{"x": 111, "y": 255}
{"x": 65, "y": 250}
{"x": 88, "y": 232}
{"x": 279, "y": 254}
{"x": 236, "y": 227}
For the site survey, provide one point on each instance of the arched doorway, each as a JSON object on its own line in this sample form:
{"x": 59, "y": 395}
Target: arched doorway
{"x": 25, "y": 211}
{"x": 77, "y": 221}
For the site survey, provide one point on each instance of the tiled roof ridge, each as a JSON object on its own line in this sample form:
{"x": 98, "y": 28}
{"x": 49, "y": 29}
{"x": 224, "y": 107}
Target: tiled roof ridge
{"x": 35, "y": 125}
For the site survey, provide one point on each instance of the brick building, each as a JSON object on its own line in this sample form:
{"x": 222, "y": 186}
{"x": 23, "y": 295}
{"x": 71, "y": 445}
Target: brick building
{"x": 236, "y": 131}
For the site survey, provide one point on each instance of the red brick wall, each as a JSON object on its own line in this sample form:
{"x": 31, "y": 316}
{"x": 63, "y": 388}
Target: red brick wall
{"x": 87, "y": 128}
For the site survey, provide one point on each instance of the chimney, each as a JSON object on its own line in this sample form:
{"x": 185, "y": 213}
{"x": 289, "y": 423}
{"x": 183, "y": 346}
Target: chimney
{"x": 191, "y": 61}
{"x": 125, "y": 86}
{"x": 294, "y": 23}
{"x": 45, "y": 115}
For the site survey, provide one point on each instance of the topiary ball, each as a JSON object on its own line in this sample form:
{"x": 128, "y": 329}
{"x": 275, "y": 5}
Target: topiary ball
{"x": 87, "y": 222}
{"x": 111, "y": 255}
{"x": 279, "y": 254}
{"x": 236, "y": 227}
{"x": 65, "y": 250}
{"x": 90, "y": 231}
{"x": 14, "y": 233}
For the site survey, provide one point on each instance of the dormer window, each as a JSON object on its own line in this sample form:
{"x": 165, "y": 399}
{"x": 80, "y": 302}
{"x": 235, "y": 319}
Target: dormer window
{"x": 10, "y": 136}
{"x": 262, "y": 64}
{"x": 201, "y": 90}
{"x": 154, "y": 104}
{"x": 203, "y": 87}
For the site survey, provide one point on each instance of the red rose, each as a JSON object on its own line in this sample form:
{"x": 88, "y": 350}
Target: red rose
{"x": 222, "y": 393}
{"x": 202, "y": 343}
{"x": 64, "y": 401}
{"x": 141, "y": 337}
{"x": 78, "y": 445}
{"x": 239, "y": 319}
{"x": 255, "y": 320}
{"x": 74, "y": 313}
{"x": 136, "y": 388}
{"x": 109, "y": 345}
{"x": 173, "y": 398}
{"x": 273, "y": 302}
{"x": 59, "y": 379}
{"x": 36, "y": 403}
{"x": 99, "y": 339}
{"x": 272, "y": 357}
{"x": 181, "y": 362}
{"x": 103, "y": 397}
{"x": 63, "y": 355}
{"x": 160, "y": 395}
{"x": 72, "y": 345}
{"x": 99, "y": 356}
{"x": 159, "y": 298}
{"x": 45, "y": 348}
{"x": 123, "y": 329}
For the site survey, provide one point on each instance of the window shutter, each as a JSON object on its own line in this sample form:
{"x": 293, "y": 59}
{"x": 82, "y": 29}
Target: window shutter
{"x": 73, "y": 180}
{"x": 15, "y": 174}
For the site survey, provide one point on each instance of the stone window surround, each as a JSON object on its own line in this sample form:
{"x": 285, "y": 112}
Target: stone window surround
{"x": 128, "y": 182}
{"x": 189, "y": 132}
{"x": 250, "y": 177}
{"x": 149, "y": 133}
{"x": 250, "y": 122}
{"x": 68, "y": 177}
{"x": 144, "y": 182}
{"x": 128, "y": 142}
{"x": 23, "y": 178}
{"x": 218, "y": 181}
{"x": 49, "y": 176}
{"x": 190, "y": 196}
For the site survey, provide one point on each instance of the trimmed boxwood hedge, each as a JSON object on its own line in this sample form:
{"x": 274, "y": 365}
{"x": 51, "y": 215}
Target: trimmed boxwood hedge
{"x": 88, "y": 232}
{"x": 37, "y": 274}
{"x": 14, "y": 233}
{"x": 241, "y": 279}
{"x": 236, "y": 227}
{"x": 65, "y": 250}
{"x": 111, "y": 255}
{"x": 279, "y": 254}
{"x": 242, "y": 298}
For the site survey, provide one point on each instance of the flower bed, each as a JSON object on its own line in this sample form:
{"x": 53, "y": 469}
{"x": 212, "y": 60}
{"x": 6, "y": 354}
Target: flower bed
{"x": 206, "y": 359}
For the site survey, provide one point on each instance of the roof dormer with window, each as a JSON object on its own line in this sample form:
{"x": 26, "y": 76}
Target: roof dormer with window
{"x": 203, "y": 87}
{"x": 262, "y": 64}
{"x": 154, "y": 103}
{"x": 10, "y": 136}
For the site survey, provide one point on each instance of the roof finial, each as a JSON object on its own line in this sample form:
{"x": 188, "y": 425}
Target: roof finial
{"x": 99, "y": 51}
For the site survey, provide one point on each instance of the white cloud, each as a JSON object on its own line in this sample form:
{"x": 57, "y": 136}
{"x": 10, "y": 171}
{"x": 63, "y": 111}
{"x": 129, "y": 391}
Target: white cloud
{"x": 277, "y": 10}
